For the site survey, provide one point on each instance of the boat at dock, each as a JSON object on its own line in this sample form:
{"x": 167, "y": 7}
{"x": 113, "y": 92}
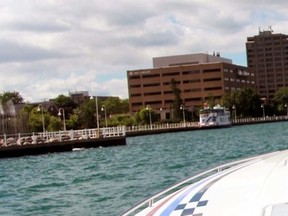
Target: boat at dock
{"x": 214, "y": 117}
{"x": 256, "y": 186}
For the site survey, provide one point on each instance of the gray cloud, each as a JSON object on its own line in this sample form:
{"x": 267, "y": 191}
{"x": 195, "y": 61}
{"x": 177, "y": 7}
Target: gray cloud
{"x": 39, "y": 27}
{"x": 13, "y": 52}
{"x": 63, "y": 46}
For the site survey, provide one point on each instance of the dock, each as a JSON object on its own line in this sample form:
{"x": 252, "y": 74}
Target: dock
{"x": 60, "y": 141}
{"x": 63, "y": 141}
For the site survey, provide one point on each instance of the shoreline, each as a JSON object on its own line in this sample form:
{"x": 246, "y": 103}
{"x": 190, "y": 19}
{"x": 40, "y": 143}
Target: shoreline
{"x": 110, "y": 137}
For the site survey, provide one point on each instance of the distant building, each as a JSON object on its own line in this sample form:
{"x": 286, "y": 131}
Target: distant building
{"x": 79, "y": 97}
{"x": 199, "y": 77}
{"x": 267, "y": 58}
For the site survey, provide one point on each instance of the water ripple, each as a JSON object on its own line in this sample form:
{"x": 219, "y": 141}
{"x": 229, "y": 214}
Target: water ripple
{"x": 107, "y": 181}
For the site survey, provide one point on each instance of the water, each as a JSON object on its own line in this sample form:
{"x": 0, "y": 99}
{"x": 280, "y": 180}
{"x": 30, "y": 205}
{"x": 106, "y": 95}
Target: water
{"x": 107, "y": 181}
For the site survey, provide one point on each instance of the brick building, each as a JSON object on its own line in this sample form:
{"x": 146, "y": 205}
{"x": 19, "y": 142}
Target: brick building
{"x": 267, "y": 58}
{"x": 199, "y": 77}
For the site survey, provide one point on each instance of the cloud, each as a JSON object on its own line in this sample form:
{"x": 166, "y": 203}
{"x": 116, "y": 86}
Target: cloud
{"x": 14, "y": 52}
{"x": 52, "y": 47}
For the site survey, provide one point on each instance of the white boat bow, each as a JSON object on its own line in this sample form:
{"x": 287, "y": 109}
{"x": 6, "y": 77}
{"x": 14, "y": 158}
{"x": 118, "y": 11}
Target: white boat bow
{"x": 255, "y": 186}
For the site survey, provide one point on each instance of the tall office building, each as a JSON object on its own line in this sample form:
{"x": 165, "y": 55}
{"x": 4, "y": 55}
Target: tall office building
{"x": 199, "y": 77}
{"x": 267, "y": 57}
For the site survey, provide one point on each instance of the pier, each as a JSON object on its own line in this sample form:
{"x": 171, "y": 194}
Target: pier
{"x": 15, "y": 145}
{"x": 61, "y": 141}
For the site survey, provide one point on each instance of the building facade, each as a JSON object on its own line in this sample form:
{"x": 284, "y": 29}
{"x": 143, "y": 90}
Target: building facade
{"x": 199, "y": 78}
{"x": 267, "y": 58}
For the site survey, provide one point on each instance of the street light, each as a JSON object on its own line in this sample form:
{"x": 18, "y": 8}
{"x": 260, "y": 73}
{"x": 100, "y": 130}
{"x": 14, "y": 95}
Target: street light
{"x": 183, "y": 112}
{"x": 234, "y": 108}
{"x": 161, "y": 115}
{"x": 40, "y": 107}
{"x": 286, "y": 109}
{"x": 150, "y": 119}
{"x": 103, "y": 108}
{"x": 262, "y": 106}
{"x": 59, "y": 114}
{"x": 97, "y": 114}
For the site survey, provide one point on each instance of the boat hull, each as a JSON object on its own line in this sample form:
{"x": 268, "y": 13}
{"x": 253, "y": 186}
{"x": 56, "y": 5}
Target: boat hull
{"x": 256, "y": 186}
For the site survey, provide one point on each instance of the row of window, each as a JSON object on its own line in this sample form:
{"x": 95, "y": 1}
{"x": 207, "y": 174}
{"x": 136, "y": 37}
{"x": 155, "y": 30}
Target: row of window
{"x": 279, "y": 85}
{"x": 176, "y": 73}
{"x": 213, "y": 88}
{"x": 239, "y": 80}
{"x": 178, "y": 82}
{"x": 238, "y": 72}
{"x": 167, "y": 102}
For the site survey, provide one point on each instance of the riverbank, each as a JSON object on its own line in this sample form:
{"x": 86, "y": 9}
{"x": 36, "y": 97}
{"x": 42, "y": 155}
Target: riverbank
{"x": 61, "y": 141}
{"x": 190, "y": 126}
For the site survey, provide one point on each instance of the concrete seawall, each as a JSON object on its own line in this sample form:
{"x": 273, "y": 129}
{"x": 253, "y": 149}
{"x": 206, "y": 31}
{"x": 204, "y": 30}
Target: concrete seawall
{"x": 44, "y": 148}
{"x": 113, "y": 137}
{"x": 193, "y": 127}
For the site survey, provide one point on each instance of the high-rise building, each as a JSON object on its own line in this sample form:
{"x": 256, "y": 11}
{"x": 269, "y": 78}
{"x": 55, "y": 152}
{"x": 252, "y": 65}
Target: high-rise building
{"x": 198, "y": 76}
{"x": 267, "y": 58}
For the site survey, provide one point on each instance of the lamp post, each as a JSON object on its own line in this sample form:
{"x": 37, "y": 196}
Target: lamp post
{"x": 103, "y": 108}
{"x": 286, "y": 109}
{"x": 59, "y": 114}
{"x": 150, "y": 119}
{"x": 161, "y": 115}
{"x": 183, "y": 112}
{"x": 235, "y": 113}
{"x": 262, "y": 106}
{"x": 97, "y": 114}
{"x": 40, "y": 107}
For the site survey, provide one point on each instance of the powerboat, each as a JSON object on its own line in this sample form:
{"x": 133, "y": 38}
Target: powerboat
{"x": 214, "y": 117}
{"x": 256, "y": 186}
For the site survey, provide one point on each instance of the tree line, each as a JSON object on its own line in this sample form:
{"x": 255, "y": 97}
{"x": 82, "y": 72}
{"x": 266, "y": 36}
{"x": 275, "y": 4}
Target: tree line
{"x": 49, "y": 115}
{"x": 245, "y": 102}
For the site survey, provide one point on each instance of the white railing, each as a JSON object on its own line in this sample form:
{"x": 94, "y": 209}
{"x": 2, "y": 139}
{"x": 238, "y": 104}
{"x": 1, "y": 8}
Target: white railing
{"x": 160, "y": 126}
{"x": 151, "y": 200}
{"x": 60, "y": 136}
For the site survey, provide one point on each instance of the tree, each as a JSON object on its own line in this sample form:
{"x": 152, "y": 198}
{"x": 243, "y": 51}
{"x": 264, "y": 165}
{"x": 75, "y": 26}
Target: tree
{"x": 247, "y": 102}
{"x": 36, "y": 120}
{"x": 121, "y": 119}
{"x": 114, "y": 105}
{"x": 64, "y": 102}
{"x": 210, "y": 99}
{"x": 14, "y": 96}
{"x": 143, "y": 116}
{"x": 55, "y": 124}
{"x": 87, "y": 114}
{"x": 73, "y": 122}
{"x": 281, "y": 99}
{"x": 177, "y": 99}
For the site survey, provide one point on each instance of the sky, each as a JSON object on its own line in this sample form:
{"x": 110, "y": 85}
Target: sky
{"x": 53, "y": 47}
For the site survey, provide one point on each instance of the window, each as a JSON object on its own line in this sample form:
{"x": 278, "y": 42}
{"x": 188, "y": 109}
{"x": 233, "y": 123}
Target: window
{"x": 212, "y": 79}
{"x": 191, "y": 72}
{"x": 135, "y": 86}
{"x": 212, "y": 88}
{"x": 168, "y": 92}
{"x": 211, "y": 70}
{"x": 136, "y": 95}
{"x": 150, "y": 75}
{"x": 134, "y": 77}
{"x": 192, "y": 81}
{"x": 151, "y": 84}
{"x": 152, "y": 93}
{"x": 193, "y": 90}
{"x": 171, "y": 74}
